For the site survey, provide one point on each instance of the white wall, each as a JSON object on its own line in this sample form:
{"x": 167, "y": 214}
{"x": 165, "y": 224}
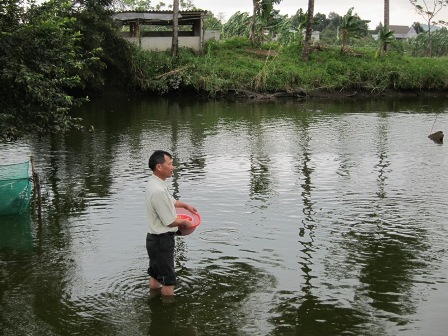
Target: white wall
{"x": 164, "y": 43}
{"x": 212, "y": 34}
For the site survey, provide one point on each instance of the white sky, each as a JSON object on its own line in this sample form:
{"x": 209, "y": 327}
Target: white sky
{"x": 401, "y": 11}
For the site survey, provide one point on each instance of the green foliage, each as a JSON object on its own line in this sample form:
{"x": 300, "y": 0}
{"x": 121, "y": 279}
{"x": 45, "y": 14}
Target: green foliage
{"x": 235, "y": 43}
{"x": 428, "y": 11}
{"x": 116, "y": 65}
{"x": 11, "y": 13}
{"x": 298, "y": 20}
{"x": 51, "y": 56}
{"x": 385, "y": 38}
{"x": 238, "y": 25}
{"x": 418, "y": 46}
{"x": 34, "y": 80}
{"x": 161, "y": 73}
{"x": 289, "y": 30}
{"x": 351, "y": 27}
{"x": 227, "y": 65}
{"x": 212, "y": 23}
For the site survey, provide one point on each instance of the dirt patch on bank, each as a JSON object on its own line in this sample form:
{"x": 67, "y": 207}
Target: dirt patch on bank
{"x": 261, "y": 52}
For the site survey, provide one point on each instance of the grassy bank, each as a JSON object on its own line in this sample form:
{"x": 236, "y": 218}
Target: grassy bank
{"x": 233, "y": 65}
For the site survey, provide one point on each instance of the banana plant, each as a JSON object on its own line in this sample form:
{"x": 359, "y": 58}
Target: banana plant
{"x": 351, "y": 27}
{"x": 385, "y": 38}
{"x": 286, "y": 32}
{"x": 262, "y": 10}
{"x": 418, "y": 46}
{"x": 237, "y": 25}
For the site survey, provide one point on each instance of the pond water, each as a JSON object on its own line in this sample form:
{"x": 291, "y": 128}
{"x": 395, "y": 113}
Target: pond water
{"x": 318, "y": 218}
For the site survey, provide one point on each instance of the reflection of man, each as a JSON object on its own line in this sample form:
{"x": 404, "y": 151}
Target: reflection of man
{"x": 163, "y": 223}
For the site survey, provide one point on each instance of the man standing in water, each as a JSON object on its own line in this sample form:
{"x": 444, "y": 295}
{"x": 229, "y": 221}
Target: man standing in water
{"x": 163, "y": 223}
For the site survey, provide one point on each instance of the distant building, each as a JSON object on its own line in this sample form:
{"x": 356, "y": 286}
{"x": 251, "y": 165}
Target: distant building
{"x": 138, "y": 30}
{"x": 403, "y": 32}
{"x": 315, "y": 35}
{"x": 400, "y": 32}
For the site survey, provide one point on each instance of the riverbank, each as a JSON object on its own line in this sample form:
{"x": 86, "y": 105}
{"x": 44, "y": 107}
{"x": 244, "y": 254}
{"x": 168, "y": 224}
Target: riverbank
{"x": 232, "y": 68}
{"x": 322, "y": 94}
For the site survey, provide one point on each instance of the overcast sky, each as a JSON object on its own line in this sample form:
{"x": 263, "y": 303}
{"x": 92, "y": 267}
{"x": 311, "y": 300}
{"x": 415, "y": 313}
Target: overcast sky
{"x": 401, "y": 11}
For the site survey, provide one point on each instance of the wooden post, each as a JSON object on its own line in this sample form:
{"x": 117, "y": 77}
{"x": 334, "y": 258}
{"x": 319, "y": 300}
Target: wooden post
{"x": 175, "y": 38}
{"x": 36, "y": 183}
{"x": 202, "y": 33}
{"x": 437, "y": 137}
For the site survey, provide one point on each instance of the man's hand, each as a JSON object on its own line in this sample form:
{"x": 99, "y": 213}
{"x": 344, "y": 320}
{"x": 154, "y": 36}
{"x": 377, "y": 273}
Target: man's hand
{"x": 192, "y": 209}
{"x": 186, "y": 225}
{"x": 180, "y": 204}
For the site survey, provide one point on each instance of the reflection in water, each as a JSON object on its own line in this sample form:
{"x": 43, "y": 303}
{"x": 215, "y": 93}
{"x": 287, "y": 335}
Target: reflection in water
{"x": 260, "y": 180}
{"x": 205, "y": 304}
{"x": 383, "y": 163}
{"x": 15, "y": 234}
{"x": 319, "y": 218}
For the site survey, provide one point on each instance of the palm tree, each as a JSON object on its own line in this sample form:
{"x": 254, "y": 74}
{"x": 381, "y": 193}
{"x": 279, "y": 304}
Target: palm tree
{"x": 309, "y": 29}
{"x": 175, "y": 41}
{"x": 256, "y": 10}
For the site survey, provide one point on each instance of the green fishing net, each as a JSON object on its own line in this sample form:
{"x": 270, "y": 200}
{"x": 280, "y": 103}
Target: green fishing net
{"x": 15, "y": 188}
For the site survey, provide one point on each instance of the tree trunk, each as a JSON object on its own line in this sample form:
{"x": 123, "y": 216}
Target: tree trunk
{"x": 386, "y": 21}
{"x": 175, "y": 41}
{"x": 252, "y": 31}
{"x": 309, "y": 30}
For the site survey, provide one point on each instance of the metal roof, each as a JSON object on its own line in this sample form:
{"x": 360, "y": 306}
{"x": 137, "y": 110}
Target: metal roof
{"x": 143, "y": 16}
{"x": 158, "y": 17}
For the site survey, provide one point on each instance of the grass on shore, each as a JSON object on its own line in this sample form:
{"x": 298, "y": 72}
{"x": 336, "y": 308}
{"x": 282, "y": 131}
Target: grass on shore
{"x": 231, "y": 65}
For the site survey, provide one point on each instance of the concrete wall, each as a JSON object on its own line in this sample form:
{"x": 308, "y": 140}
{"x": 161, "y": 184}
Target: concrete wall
{"x": 164, "y": 43}
{"x": 212, "y": 34}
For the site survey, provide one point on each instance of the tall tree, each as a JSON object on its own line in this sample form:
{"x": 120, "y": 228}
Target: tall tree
{"x": 386, "y": 21}
{"x": 255, "y": 12}
{"x": 175, "y": 41}
{"x": 309, "y": 30}
{"x": 428, "y": 12}
{"x": 386, "y": 14}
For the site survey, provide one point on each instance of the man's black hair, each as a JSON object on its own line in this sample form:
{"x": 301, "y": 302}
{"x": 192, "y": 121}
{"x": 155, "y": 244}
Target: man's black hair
{"x": 157, "y": 157}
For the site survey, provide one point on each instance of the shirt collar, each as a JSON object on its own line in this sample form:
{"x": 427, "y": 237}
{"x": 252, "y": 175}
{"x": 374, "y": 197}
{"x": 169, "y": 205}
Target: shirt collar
{"x": 158, "y": 180}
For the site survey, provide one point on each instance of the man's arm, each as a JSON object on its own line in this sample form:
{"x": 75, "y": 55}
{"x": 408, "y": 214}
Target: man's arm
{"x": 179, "y": 222}
{"x": 183, "y": 222}
{"x": 180, "y": 204}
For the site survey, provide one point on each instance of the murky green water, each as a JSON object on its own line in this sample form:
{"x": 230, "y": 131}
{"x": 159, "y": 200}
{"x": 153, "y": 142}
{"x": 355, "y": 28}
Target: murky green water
{"x": 319, "y": 218}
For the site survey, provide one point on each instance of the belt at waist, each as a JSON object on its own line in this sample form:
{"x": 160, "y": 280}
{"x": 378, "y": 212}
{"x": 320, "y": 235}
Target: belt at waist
{"x": 164, "y": 234}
